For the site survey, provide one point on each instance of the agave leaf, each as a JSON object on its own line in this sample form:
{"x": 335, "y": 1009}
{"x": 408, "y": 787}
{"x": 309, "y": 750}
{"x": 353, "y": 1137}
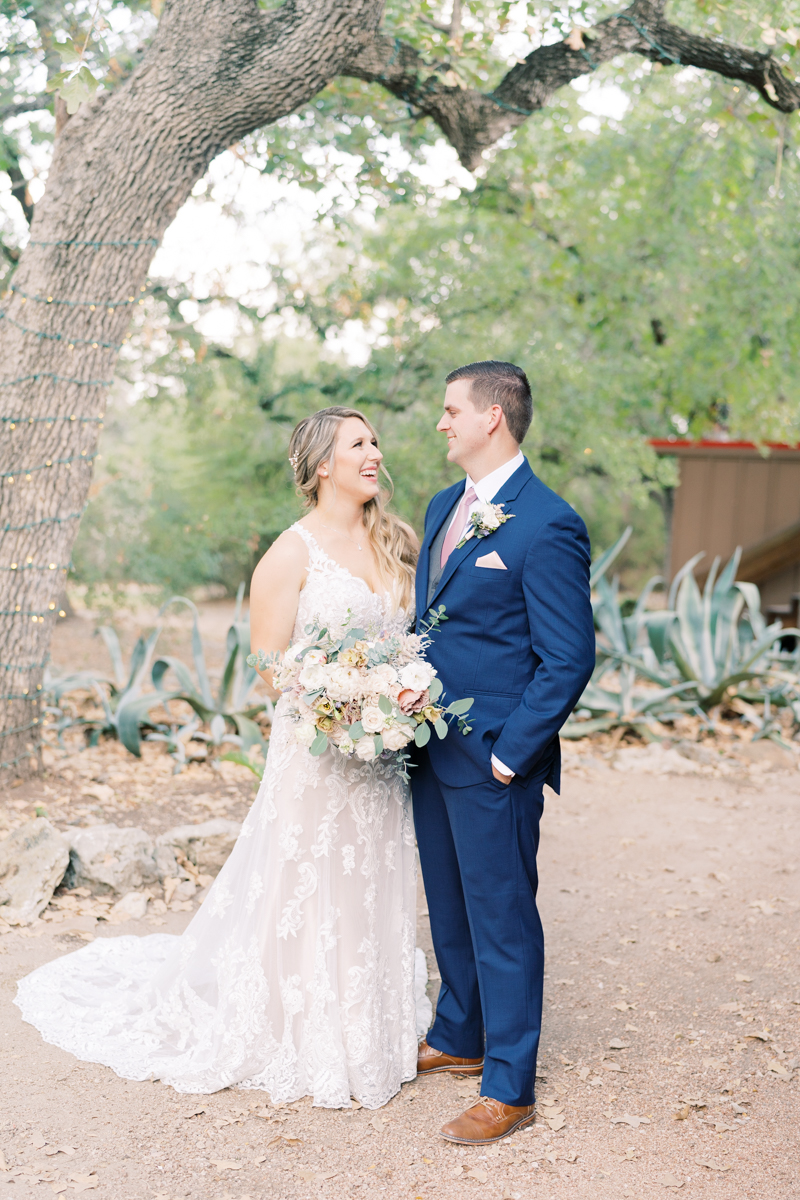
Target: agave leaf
{"x": 666, "y": 694}
{"x": 130, "y": 714}
{"x": 182, "y": 673}
{"x": 659, "y": 626}
{"x": 229, "y": 673}
{"x": 728, "y": 573}
{"x": 679, "y": 577}
{"x": 111, "y": 640}
{"x": 580, "y": 729}
{"x": 601, "y": 564}
{"x": 607, "y": 614}
{"x": 752, "y": 598}
{"x": 249, "y": 732}
{"x": 689, "y": 608}
{"x": 203, "y": 685}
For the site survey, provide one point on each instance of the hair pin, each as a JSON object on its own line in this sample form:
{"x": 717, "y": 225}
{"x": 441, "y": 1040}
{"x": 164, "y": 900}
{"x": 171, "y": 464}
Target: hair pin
{"x": 293, "y": 461}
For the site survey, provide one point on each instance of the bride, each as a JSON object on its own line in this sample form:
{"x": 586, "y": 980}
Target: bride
{"x": 297, "y": 974}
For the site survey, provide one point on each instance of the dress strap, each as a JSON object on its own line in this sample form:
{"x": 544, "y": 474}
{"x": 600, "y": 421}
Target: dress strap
{"x": 316, "y": 554}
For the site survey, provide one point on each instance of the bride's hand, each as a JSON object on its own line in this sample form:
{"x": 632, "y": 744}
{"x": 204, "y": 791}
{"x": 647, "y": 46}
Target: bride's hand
{"x": 274, "y": 594}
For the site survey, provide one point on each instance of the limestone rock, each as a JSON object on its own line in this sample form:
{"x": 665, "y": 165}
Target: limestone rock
{"x": 131, "y": 907}
{"x": 107, "y": 858}
{"x": 33, "y": 860}
{"x": 206, "y": 846}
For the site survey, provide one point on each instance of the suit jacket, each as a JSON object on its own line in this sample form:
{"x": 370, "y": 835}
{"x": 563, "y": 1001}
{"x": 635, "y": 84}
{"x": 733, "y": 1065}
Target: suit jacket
{"x": 520, "y": 641}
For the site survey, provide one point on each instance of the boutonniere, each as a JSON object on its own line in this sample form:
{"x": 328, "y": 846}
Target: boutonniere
{"x": 483, "y": 520}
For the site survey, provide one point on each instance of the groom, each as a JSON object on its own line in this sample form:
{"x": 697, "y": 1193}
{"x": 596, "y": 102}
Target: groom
{"x": 519, "y": 638}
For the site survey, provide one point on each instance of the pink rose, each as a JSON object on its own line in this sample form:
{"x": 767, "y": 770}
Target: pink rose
{"x": 411, "y": 701}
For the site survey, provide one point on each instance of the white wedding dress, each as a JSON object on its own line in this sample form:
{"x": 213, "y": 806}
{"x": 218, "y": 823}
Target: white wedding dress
{"x": 297, "y": 974}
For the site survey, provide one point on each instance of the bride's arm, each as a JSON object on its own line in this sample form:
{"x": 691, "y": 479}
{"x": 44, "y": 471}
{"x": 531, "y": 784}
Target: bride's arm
{"x": 274, "y": 594}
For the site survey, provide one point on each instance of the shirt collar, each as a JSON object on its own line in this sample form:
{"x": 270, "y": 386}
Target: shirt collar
{"x": 491, "y": 484}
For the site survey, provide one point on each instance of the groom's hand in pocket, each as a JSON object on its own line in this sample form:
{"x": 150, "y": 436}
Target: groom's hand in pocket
{"x": 506, "y": 779}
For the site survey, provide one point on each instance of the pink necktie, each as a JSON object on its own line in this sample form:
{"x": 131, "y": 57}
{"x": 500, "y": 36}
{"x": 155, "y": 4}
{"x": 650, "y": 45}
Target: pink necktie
{"x": 456, "y": 530}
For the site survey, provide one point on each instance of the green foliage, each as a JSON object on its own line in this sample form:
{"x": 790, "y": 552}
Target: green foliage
{"x": 230, "y": 713}
{"x": 125, "y": 707}
{"x": 699, "y": 649}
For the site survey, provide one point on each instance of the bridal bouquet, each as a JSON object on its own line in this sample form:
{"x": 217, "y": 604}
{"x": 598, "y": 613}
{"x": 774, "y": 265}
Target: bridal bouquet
{"x": 368, "y": 697}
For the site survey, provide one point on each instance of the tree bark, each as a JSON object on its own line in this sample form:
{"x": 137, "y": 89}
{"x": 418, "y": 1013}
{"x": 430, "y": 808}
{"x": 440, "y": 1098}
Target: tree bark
{"x": 122, "y": 168}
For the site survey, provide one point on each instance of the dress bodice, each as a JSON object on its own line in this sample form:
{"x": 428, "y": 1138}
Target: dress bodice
{"x": 333, "y": 596}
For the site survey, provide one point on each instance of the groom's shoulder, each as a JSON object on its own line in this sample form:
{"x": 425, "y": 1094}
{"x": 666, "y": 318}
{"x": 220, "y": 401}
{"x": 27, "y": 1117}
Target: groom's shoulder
{"x": 550, "y": 508}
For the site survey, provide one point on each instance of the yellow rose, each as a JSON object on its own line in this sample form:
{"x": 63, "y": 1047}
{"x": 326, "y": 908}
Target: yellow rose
{"x": 325, "y": 724}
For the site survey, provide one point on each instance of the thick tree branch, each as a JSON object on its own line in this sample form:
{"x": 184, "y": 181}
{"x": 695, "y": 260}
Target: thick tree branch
{"x": 473, "y": 121}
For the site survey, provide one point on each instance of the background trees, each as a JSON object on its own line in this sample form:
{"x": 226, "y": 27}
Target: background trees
{"x": 639, "y": 271}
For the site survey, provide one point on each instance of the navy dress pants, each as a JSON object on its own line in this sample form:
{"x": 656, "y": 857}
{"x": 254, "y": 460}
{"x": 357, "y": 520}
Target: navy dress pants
{"x": 477, "y": 846}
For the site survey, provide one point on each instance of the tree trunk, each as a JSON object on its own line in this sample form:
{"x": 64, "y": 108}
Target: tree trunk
{"x": 121, "y": 170}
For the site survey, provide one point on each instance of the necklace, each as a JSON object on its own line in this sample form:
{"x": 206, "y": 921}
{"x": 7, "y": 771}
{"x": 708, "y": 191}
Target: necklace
{"x": 344, "y": 535}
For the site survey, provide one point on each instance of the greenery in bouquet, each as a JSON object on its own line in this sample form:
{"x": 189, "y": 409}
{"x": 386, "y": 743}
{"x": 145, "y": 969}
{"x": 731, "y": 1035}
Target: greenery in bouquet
{"x": 367, "y": 697}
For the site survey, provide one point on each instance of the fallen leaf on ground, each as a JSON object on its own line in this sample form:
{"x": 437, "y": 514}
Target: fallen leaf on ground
{"x": 611, "y": 1066}
{"x": 627, "y": 1119}
{"x": 477, "y": 1174}
{"x": 556, "y": 1123}
{"x": 458, "y": 1171}
{"x": 744, "y": 978}
{"x": 223, "y": 1164}
{"x": 611, "y": 962}
{"x": 623, "y": 1006}
{"x": 379, "y": 1124}
{"x": 356, "y": 1104}
{"x": 37, "y": 1139}
{"x": 68, "y": 1150}
{"x": 710, "y": 1164}
{"x": 763, "y": 906}
{"x": 3, "y": 1164}
{"x": 195, "y": 1112}
{"x": 763, "y": 1036}
{"x": 669, "y": 1181}
{"x": 618, "y": 1044}
{"x": 84, "y": 1183}
{"x": 780, "y": 1070}
{"x": 682, "y": 1113}
{"x": 584, "y": 1073}
{"x": 717, "y": 1064}
{"x": 59, "y": 1187}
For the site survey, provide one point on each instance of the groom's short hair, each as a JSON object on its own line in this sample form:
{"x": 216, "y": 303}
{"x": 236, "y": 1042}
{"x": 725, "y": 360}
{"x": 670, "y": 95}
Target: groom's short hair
{"x": 502, "y": 383}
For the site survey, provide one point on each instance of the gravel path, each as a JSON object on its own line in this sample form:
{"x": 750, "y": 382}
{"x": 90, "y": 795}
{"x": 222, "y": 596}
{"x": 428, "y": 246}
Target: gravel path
{"x": 670, "y": 1043}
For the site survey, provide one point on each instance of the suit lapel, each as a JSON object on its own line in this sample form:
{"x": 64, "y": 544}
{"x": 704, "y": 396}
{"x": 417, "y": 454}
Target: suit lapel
{"x": 508, "y": 492}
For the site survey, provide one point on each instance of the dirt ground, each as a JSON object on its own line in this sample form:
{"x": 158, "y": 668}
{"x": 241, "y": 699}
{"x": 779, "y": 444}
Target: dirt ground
{"x": 670, "y": 1046}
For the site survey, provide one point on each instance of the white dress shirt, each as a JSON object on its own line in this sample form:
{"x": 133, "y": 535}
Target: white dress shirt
{"x": 486, "y": 489}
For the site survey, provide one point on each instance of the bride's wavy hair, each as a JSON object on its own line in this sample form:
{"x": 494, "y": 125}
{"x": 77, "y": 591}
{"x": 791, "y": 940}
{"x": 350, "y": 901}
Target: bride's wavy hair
{"x": 313, "y": 442}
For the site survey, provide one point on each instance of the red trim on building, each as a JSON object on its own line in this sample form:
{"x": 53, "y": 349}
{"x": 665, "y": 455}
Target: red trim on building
{"x": 682, "y": 444}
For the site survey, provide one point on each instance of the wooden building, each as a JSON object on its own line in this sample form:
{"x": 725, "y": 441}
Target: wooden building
{"x": 733, "y": 494}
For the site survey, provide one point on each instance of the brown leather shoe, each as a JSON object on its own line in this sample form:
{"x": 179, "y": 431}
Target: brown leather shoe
{"x": 430, "y": 1062}
{"x": 488, "y": 1121}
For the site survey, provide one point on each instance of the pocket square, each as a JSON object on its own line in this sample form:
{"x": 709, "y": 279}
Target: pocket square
{"x": 491, "y": 560}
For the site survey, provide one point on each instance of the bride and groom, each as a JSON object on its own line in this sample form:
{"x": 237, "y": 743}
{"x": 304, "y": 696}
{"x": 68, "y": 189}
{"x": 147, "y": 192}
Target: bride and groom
{"x": 297, "y": 974}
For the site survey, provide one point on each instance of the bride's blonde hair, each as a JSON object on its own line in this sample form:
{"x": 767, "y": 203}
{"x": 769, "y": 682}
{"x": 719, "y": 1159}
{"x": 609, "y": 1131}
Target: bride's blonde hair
{"x": 393, "y": 542}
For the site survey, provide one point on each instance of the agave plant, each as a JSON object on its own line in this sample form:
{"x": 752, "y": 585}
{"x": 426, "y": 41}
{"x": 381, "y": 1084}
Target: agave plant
{"x": 717, "y": 639}
{"x": 230, "y": 714}
{"x": 125, "y": 707}
{"x": 619, "y": 646}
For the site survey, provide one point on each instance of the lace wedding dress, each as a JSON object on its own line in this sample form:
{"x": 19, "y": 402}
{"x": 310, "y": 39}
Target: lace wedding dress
{"x": 297, "y": 974}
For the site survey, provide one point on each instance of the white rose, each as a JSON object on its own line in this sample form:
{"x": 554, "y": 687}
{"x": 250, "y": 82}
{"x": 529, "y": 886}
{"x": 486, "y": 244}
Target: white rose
{"x": 397, "y": 736}
{"x": 488, "y": 516}
{"x": 343, "y": 682}
{"x": 365, "y": 749}
{"x": 382, "y": 678}
{"x": 315, "y": 656}
{"x": 346, "y": 745}
{"x": 313, "y": 677}
{"x": 372, "y": 718}
{"x": 417, "y": 676}
{"x": 304, "y": 734}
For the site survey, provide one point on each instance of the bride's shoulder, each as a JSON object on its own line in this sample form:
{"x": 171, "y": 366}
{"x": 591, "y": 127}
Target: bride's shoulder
{"x": 288, "y": 555}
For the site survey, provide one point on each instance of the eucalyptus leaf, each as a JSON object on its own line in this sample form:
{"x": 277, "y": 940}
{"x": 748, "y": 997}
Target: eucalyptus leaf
{"x": 319, "y": 744}
{"x": 422, "y": 734}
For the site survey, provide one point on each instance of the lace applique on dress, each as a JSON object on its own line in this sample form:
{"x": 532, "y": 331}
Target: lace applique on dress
{"x": 307, "y": 934}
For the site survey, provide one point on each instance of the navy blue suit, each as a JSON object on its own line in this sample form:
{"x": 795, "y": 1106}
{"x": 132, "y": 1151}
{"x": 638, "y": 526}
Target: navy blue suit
{"x": 521, "y": 642}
